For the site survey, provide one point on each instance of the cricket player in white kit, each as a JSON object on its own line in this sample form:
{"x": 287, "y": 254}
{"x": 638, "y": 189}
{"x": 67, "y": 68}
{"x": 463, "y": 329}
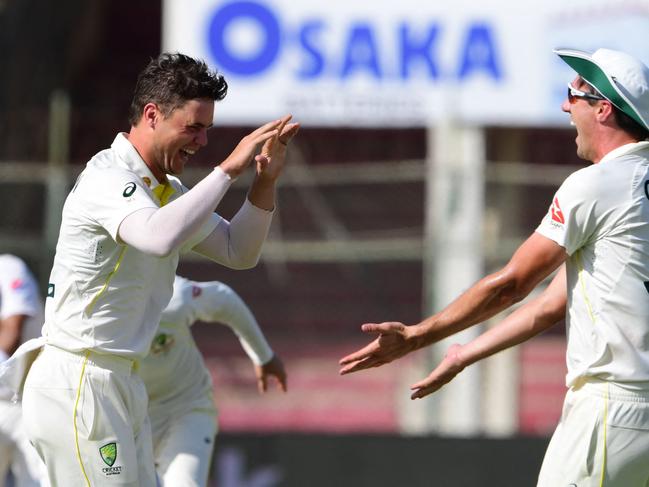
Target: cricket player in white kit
{"x": 598, "y": 223}
{"x": 124, "y": 225}
{"x": 21, "y": 318}
{"x": 181, "y": 403}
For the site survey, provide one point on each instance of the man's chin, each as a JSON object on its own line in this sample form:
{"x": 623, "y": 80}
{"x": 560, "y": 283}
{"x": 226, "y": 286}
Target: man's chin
{"x": 176, "y": 169}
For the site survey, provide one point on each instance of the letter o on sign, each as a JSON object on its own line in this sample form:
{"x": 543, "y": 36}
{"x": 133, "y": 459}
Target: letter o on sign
{"x": 251, "y": 63}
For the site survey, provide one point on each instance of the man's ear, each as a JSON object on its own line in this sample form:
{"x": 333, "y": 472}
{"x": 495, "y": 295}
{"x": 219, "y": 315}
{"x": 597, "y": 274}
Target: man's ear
{"x": 150, "y": 115}
{"x": 605, "y": 111}
{"x": 605, "y": 108}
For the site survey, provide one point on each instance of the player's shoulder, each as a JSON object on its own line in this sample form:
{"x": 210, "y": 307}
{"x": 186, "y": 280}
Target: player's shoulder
{"x": 15, "y": 272}
{"x": 9, "y": 262}
{"x": 106, "y": 162}
{"x": 584, "y": 181}
{"x": 102, "y": 173}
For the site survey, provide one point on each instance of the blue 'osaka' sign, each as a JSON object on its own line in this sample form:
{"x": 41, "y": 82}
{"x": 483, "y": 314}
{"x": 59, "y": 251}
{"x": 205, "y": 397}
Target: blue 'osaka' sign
{"x": 415, "y": 50}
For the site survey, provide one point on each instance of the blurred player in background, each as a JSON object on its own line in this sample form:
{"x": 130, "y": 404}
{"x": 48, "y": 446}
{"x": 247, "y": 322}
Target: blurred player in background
{"x": 181, "y": 404}
{"x": 21, "y": 318}
{"x": 598, "y": 224}
{"x": 124, "y": 225}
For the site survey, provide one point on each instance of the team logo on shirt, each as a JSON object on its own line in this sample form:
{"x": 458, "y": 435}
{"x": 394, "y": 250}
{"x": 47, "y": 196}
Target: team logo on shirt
{"x": 129, "y": 189}
{"x": 556, "y": 213}
{"x": 108, "y": 453}
{"x": 162, "y": 343}
{"x": 17, "y": 283}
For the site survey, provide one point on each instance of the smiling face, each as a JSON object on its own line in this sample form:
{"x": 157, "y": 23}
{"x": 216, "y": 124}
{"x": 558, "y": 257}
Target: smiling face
{"x": 180, "y": 135}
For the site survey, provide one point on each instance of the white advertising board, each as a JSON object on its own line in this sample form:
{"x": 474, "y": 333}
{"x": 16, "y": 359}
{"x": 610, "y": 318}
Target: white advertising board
{"x": 398, "y": 63}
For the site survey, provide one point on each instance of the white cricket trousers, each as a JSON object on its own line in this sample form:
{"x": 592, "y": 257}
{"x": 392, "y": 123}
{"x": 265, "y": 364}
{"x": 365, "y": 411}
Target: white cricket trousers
{"x": 16, "y": 453}
{"x": 602, "y": 439}
{"x": 183, "y": 448}
{"x": 86, "y": 414}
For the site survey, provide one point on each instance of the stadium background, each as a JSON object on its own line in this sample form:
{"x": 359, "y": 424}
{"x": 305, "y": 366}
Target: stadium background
{"x": 347, "y": 247}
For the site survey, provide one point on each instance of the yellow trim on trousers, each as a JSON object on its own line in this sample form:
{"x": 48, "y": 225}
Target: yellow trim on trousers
{"x": 74, "y": 418}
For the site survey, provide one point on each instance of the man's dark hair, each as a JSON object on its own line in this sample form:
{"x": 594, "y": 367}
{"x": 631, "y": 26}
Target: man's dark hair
{"x": 624, "y": 121}
{"x": 170, "y": 80}
{"x": 630, "y": 126}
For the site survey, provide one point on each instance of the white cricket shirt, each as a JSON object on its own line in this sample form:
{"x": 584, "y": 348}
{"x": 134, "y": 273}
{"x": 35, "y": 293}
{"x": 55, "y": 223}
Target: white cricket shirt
{"x": 174, "y": 372}
{"x": 19, "y": 296}
{"x": 105, "y": 296}
{"x": 600, "y": 215}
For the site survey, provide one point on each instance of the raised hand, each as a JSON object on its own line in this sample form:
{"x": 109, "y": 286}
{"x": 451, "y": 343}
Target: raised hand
{"x": 444, "y": 373}
{"x": 394, "y": 341}
{"x": 246, "y": 149}
{"x": 271, "y": 159}
{"x": 272, "y": 368}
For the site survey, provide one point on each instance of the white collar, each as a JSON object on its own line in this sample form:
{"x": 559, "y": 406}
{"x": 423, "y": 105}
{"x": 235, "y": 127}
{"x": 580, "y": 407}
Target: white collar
{"x": 624, "y": 150}
{"x": 130, "y": 157}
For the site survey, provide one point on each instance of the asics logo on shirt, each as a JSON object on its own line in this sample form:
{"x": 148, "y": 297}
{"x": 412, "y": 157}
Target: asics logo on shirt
{"x": 129, "y": 189}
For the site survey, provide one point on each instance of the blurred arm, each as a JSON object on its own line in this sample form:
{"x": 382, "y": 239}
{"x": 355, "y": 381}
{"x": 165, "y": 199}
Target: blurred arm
{"x": 10, "y": 332}
{"x": 220, "y": 303}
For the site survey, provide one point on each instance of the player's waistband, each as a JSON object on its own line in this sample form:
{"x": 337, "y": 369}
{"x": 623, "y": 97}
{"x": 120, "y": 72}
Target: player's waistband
{"x": 115, "y": 363}
{"x": 635, "y": 392}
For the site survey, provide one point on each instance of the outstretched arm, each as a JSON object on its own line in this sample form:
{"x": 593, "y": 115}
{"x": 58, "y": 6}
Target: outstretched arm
{"x": 534, "y": 260}
{"x": 527, "y": 321}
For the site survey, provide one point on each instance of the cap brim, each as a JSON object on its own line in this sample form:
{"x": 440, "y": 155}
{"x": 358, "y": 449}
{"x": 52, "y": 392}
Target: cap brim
{"x": 590, "y": 71}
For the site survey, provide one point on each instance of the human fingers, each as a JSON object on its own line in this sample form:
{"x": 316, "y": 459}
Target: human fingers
{"x": 267, "y": 127}
{"x": 366, "y": 363}
{"x": 422, "y": 392}
{"x": 262, "y": 384}
{"x": 281, "y": 381}
{"x": 268, "y": 133}
{"x": 444, "y": 373}
{"x": 263, "y": 137}
{"x": 364, "y": 352}
{"x": 282, "y": 122}
{"x": 386, "y": 328}
{"x": 426, "y": 386}
{"x": 288, "y": 132}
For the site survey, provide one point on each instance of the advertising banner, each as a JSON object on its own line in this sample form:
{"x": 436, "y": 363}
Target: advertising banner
{"x": 405, "y": 63}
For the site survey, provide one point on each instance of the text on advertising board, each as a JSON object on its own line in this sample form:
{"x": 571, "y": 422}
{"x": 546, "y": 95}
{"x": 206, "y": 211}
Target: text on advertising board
{"x": 360, "y": 52}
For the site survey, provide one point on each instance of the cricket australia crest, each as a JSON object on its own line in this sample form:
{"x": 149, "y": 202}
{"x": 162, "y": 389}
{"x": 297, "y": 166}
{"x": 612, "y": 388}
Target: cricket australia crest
{"x": 108, "y": 453}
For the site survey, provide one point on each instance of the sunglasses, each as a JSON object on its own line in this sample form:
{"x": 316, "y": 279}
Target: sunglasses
{"x": 574, "y": 93}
